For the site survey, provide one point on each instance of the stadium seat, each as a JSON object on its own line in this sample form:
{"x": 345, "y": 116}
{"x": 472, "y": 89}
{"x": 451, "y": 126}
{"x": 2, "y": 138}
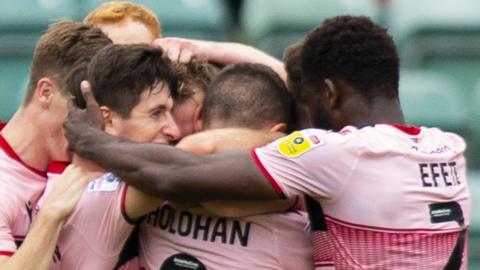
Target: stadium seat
{"x": 432, "y": 99}
{"x": 439, "y": 35}
{"x": 23, "y": 21}
{"x": 204, "y": 19}
{"x": 13, "y": 81}
{"x": 273, "y": 25}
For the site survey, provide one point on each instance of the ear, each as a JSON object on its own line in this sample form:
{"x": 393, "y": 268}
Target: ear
{"x": 107, "y": 116}
{"x": 44, "y": 92}
{"x": 279, "y": 127}
{"x": 197, "y": 119}
{"x": 332, "y": 93}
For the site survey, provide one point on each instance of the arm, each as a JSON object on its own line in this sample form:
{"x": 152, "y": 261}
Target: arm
{"x": 164, "y": 171}
{"x": 243, "y": 209}
{"x": 37, "y": 250}
{"x": 224, "y": 139}
{"x": 138, "y": 203}
{"x": 218, "y": 140}
{"x": 182, "y": 50}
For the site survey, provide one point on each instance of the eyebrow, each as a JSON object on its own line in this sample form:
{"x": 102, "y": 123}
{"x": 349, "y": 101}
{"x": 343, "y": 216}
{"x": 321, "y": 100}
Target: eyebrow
{"x": 161, "y": 107}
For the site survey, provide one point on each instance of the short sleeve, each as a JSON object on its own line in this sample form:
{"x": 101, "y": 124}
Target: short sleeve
{"x": 313, "y": 162}
{"x": 7, "y": 242}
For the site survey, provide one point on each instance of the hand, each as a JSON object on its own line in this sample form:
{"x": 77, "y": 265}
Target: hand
{"x": 79, "y": 121}
{"x": 183, "y": 50}
{"x": 67, "y": 191}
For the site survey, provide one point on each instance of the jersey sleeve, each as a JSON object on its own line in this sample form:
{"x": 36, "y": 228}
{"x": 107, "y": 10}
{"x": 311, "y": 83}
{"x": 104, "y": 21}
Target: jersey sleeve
{"x": 313, "y": 162}
{"x": 7, "y": 242}
{"x": 99, "y": 214}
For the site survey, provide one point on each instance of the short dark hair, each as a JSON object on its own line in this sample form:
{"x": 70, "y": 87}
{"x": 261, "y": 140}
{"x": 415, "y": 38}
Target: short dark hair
{"x": 292, "y": 62}
{"x": 119, "y": 74}
{"x": 63, "y": 46}
{"x": 354, "y": 50}
{"x": 247, "y": 95}
{"x": 193, "y": 74}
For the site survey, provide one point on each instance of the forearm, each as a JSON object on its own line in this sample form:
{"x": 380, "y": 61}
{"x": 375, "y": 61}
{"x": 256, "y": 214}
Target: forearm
{"x": 243, "y": 209}
{"x": 143, "y": 166}
{"x": 37, "y": 250}
{"x": 169, "y": 173}
{"x": 232, "y": 53}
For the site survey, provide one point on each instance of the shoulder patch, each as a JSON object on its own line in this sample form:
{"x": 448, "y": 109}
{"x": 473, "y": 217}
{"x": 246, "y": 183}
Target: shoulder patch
{"x": 107, "y": 182}
{"x": 298, "y": 143}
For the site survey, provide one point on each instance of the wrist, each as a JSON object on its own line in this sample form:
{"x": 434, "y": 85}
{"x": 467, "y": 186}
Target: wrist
{"x": 51, "y": 215}
{"x": 90, "y": 137}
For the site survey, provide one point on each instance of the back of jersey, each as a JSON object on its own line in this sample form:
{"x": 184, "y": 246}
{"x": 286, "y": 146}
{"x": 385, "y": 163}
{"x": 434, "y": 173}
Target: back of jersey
{"x": 394, "y": 197}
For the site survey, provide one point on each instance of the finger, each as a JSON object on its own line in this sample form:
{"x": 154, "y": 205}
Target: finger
{"x": 173, "y": 53}
{"x": 160, "y": 43}
{"x": 185, "y": 56}
{"x": 157, "y": 43}
{"x": 90, "y": 102}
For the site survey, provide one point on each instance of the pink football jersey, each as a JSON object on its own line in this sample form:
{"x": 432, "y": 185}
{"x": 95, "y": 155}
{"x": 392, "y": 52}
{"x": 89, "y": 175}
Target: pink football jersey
{"x": 192, "y": 238}
{"x": 94, "y": 234}
{"x": 20, "y": 188}
{"x": 393, "y": 197}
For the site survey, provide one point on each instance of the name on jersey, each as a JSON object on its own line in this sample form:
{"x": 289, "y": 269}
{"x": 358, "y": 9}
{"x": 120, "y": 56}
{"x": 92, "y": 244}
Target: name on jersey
{"x": 439, "y": 174}
{"x": 200, "y": 227}
{"x": 107, "y": 183}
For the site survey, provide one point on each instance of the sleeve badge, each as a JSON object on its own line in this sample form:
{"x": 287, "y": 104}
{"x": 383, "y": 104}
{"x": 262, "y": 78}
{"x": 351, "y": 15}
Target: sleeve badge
{"x": 298, "y": 143}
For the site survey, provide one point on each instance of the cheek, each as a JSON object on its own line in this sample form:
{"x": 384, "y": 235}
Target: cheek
{"x": 141, "y": 131}
{"x": 184, "y": 121}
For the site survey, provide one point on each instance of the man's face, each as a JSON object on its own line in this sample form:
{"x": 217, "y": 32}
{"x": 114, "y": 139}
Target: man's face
{"x": 127, "y": 32}
{"x": 187, "y": 112}
{"x": 316, "y": 100}
{"x": 56, "y": 141}
{"x": 150, "y": 120}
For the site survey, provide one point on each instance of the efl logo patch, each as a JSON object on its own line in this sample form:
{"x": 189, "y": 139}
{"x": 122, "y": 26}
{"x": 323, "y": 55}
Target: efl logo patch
{"x": 298, "y": 143}
{"x": 107, "y": 182}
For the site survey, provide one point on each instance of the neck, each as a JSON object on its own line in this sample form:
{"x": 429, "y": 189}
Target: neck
{"x": 23, "y": 134}
{"x": 379, "y": 111}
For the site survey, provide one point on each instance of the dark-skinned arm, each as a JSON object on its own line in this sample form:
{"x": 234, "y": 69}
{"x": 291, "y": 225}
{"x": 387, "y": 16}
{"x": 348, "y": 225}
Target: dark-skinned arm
{"x": 162, "y": 170}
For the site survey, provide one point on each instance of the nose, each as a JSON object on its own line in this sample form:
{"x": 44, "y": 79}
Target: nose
{"x": 171, "y": 130}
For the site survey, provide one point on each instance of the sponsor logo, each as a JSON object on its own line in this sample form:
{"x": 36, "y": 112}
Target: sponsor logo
{"x": 314, "y": 139}
{"x": 297, "y": 144}
{"x": 182, "y": 261}
{"x": 446, "y": 212}
{"x": 107, "y": 183}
